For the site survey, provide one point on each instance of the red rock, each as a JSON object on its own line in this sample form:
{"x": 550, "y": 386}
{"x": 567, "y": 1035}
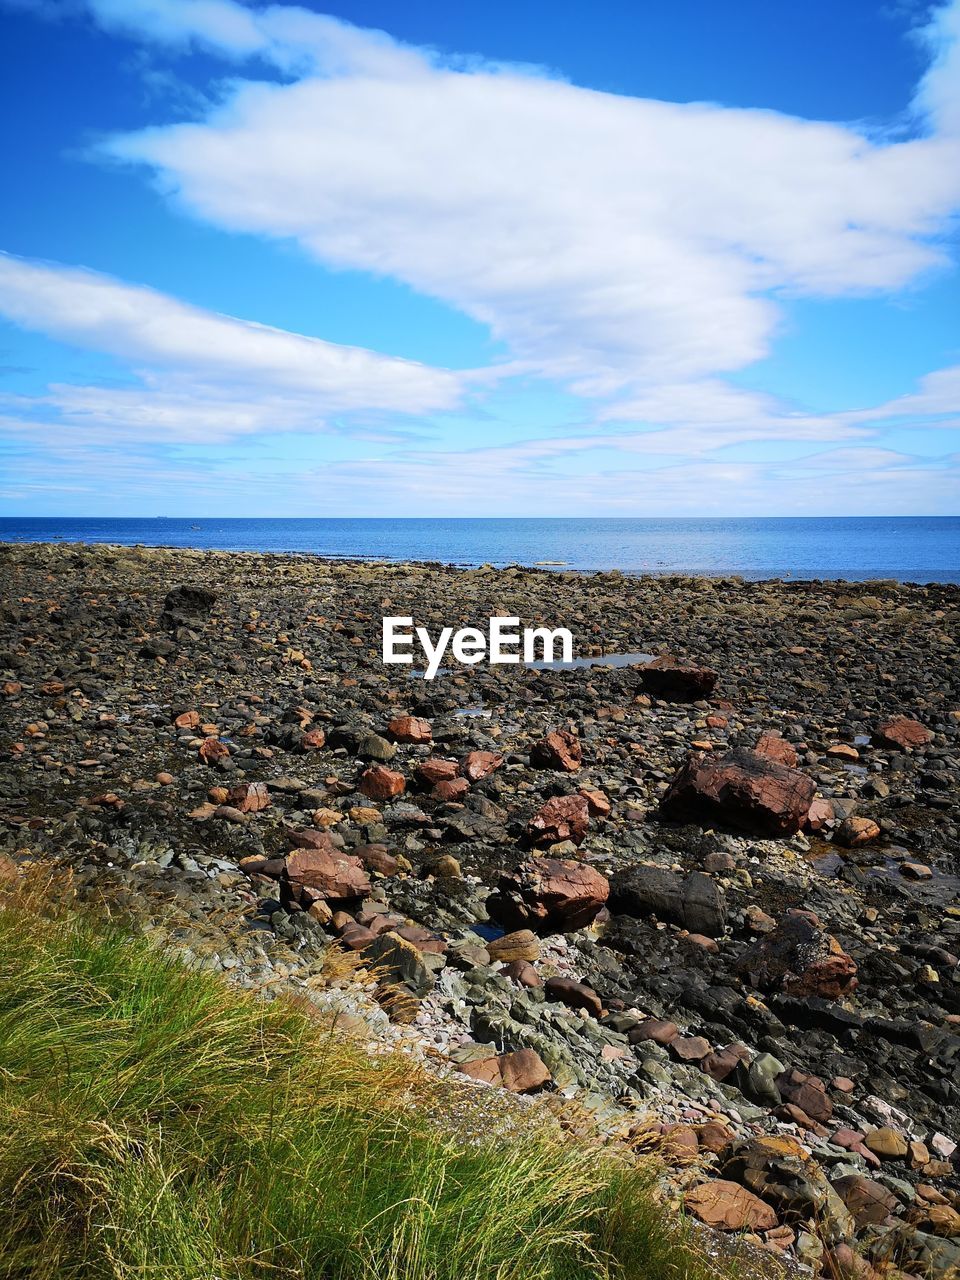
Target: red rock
{"x": 740, "y": 789}
{"x": 212, "y": 750}
{"x": 377, "y": 857}
{"x": 380, "y": 783}
{"x": 430, "y": 772}
{"x": 721, "y": 1063}
{"x": 313, "y": 740}
{"x": 901, "y": 733}
{"x": 842, "y": 751}
{"x": 189, "y": 720}
{"x": 853, "y": 832}
{"x": 701, "y": 940}
{"x": 561, "y": 818}
{"x": 548, "y": 894}
{"x": 819, "y": 814}
{"x": 690, "y": 1048}
{"x": 331, "y": 873}
{"x": 410, "y": 729}
{"x": 576, "y": 995}
{"x": 523, "y": 973}
{"x": 775, "y": 748}
{"x": 916, "y": 871}
{"x": 668, "y": 678}
{"x": 714, "y": 1136}
{"x": 560, "y": 749}
{"x": 868, "y": 1201}
{"x": 249, "y": 797}
{"x": 598, "y": 802}
{"x": 802, "y": 960}
{"x": 807, "y": 1092}
{"x": 478, "y": 765}
{"x": 453, "y": 790}
{"x": 520, "y": 1072}
{"x": 729, "y": 1207}
{"x": 660, "y": 1032}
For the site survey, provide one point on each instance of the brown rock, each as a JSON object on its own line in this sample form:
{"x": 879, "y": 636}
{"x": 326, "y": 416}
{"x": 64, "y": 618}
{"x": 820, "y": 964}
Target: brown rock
{"x": 313, "y": 740}
{"x": 801, "y": 960}
{"x": 560, "y": 749}
{"x": 549, "y": 894}
{"x": 410, "y": 729}
{"x": 478, "y": 765}
{"x": 819, "y": 814}
{"x": 721, "y": 1063}
{"x": 842, "y": 751}
{"x": 915, "y": 871}
{"x": 887, "y": 1143}
{"x": 807, "y": 1092}
{"x": 667, "y": 678}
{"x": 727, "y": 1206}
{"x": 598, "y": 802}
{"x": 451, "y": 791}
{"x": 377, "y": 857}
{"x": 868, "y": 1201}
{"x": 523, "y": 1071}
{"x": 521, "y": 945}
{"x": 326, "y": 871}
{"x": 655, "y": 1029}
{"x": 430, "y": 772}
{"x": 188, "y": 720}
{"x": 249, "y": 797}
{"x": 523, "y": 973}
{"x": 561, "y": 818}
{"x": 777, "y": 749}
{"x": 212, "y": 750}
{"x": 740, "y": 789}
{"x": 380, "y": 783}
{"x": 576, "y": 995}
{"x": 690, "y": 1048}
{"x": 853, "y": 832}
{"x": 901, "y": 733}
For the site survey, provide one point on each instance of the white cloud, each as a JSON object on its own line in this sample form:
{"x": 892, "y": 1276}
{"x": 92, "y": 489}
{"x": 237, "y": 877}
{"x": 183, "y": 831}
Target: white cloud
{"x": 615, "y": 243}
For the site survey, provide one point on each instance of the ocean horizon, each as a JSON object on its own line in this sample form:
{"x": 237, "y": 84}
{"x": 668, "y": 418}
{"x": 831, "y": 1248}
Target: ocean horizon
{"x": 854, "y": 548}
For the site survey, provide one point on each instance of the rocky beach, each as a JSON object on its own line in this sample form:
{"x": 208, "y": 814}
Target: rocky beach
{"x": 711, "y": 895}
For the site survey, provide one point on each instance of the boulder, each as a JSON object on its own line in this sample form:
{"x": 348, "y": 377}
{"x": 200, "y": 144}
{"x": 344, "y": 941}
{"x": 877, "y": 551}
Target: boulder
{"x": 853, "y": 832}
{"x": 548, "y": 895}
{"x": 435, "y": 770}
{"x": 727, "y": 1206}
{"x": 477, "y": 765}
{"x": 560, "y": 749}
{"x": 900, "y": 733}
{"x": 677, "y": 681}
{"x": 522, "y": 945}
{"x": 324, "y": 871}
{"x": 739, "y": 789}
{"x": 520, "y": 1072}
{"x": 868, "y": 1201}
{"x": 561, "y": 818}
{"x": 410, "y": 729}
{"x": 381, "y": 783}
{"x": 575, "y": 995}
{"x": 696, "y": 902}
{"x": 781, "y": 1172}
{"x": 772, "y": 747}
{"x": 800, "y": 959}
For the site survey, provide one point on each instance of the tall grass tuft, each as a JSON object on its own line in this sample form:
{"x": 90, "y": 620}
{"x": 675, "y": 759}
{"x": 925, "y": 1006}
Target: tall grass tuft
{"x": 157, "y": 1125}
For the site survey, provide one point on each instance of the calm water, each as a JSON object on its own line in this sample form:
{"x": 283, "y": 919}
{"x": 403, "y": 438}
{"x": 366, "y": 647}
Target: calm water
{"x": 913, "y": 549}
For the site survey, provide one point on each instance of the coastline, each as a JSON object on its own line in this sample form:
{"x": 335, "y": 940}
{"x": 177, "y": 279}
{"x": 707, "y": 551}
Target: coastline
{"x": 98, "y": 666}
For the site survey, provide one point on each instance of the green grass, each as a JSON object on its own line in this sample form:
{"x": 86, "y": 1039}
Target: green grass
{"x": 157, "y": 1125}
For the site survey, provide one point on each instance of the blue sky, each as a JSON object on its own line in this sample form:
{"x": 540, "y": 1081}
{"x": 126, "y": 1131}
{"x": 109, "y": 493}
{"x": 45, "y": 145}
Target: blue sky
{"x": 499, "y": 259}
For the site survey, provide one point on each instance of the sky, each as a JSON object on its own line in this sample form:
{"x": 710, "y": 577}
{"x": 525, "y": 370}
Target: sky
{"x": 645, "y": 258}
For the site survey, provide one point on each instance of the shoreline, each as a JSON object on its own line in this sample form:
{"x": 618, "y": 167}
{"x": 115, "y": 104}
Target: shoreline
{"x": 213, "y": 734}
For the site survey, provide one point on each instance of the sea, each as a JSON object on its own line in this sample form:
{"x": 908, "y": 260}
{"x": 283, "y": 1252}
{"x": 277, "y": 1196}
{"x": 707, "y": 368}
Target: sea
{"x": 855, "y": 548}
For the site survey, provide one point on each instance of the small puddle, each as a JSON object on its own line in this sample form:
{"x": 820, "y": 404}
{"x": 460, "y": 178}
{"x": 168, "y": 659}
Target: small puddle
{"x": 488, "y": 932}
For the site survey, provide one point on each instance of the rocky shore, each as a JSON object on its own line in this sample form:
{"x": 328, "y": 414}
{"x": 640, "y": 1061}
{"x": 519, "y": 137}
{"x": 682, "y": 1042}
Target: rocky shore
{"x": 714, "y": 897}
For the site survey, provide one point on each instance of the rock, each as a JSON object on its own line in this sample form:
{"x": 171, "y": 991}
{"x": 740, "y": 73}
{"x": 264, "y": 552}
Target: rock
{"x": 727, "y": 1206}
{"x": 842, "y": 751}
{"x": 188, "y": 720}
{"x": 777, "y": 749}
{"x": 453, "y": 790}
{"x": 521, "y": 945}
{"x": 915, "y": 871}
{"x": 561, "y": 818}
{"x": 189, "y": 600}
{"x": 740, "y": 789}
{"x": 899, "y": 733}
{"x": 696, "y": 902}
{"x": 478, "y": 765}
{"x": 523, "y": 1071}
{"x": 327, "y": 872}
{"x": 410, "y": 729}
{"x": 380, "y": 783}
{"x": 157, "y": 647}
{"x": 249, "y": 797}
{"x": 655, "y": 1029}
{"x": 801, "y": 960}
{"x": 807, "y": 1092}
{"x": 868, "y": 1201}
{"x": 780, "y": 1171}
{"x": 667, "y": 678}
{"x": 576, "y": 995}
{"x": 598, "y": 802}
{"x": 853, "y": 832}
{"x": 887, "y": 1143}
{"x": 371, "y": 746}
{"x": 523, "y": 974}
{"x": 548, "y": 895}
{"x": 395, "y": 959}
{"x": 558, "y": 750}
{"x": 434, "y": 770}
{"x": 721, "y": 1063}
{"x": 819, "y": 814}
{"x": 690, "y": 1048}
{"x": 446, "y": 867}
{"x": 377, "y": 857}
{"x": 212, "y": 751}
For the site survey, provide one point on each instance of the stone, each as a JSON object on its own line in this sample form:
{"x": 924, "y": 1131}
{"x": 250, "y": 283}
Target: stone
{"x": 561, "y": 818}
{"x": 477, "y": 765}
{"x": 521, "y": 945}
{"x": 451, "y": 791}
{"x": 721, "y": 1063}
{"x": 560, "y": 749}
{"x": 377, "y": 857}
{"x": 327, "y": 871}
{"x": 690, "y": 1048}
{"x": 576, "y": 995}
{"x": 780, "y": 1170}
{"x": 900, "y": 733}
{"x": 380, "y": 783}
{"x": 212, "y": 751}
{"x": 868, "y": 1201}
{"x": 887, "y": 1143}
{"x": 396, "y": 959}
{"x": 915, "y": 871}
{"x": 854, "y": 832}
{"x": 807, "y": 1092}
{"x": 548, "y": 895}
{"x": 523, "y": 974}
{"x": 656, "y": 1029}
{"x": 249, "y": 797}
{"x": 523, "y": 1071}
{"x": 676, "y": 681}
{"x": 842, "y": 751}
{"x": 189, "y": 600}
{"x": 695, "y": 902}
{"x": 800, "y": 959}
{"x": 727, "y": 1206}
{"x": 740, "y": 789}
{"x": 598, "y": 802}
{"x": 434, "y": 770}
{"x": 410, "y": 729}
{"x": 818, "y": 815}
{"x": 188, "y": 720}
{"x": 777, "y": 749}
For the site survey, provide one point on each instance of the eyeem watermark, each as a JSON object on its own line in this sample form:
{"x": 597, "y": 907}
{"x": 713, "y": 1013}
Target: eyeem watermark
{"x": 502, "y": 642}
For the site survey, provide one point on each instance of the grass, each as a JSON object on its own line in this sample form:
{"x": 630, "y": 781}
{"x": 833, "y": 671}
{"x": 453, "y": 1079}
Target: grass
{"x": 156, "y": 1124}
